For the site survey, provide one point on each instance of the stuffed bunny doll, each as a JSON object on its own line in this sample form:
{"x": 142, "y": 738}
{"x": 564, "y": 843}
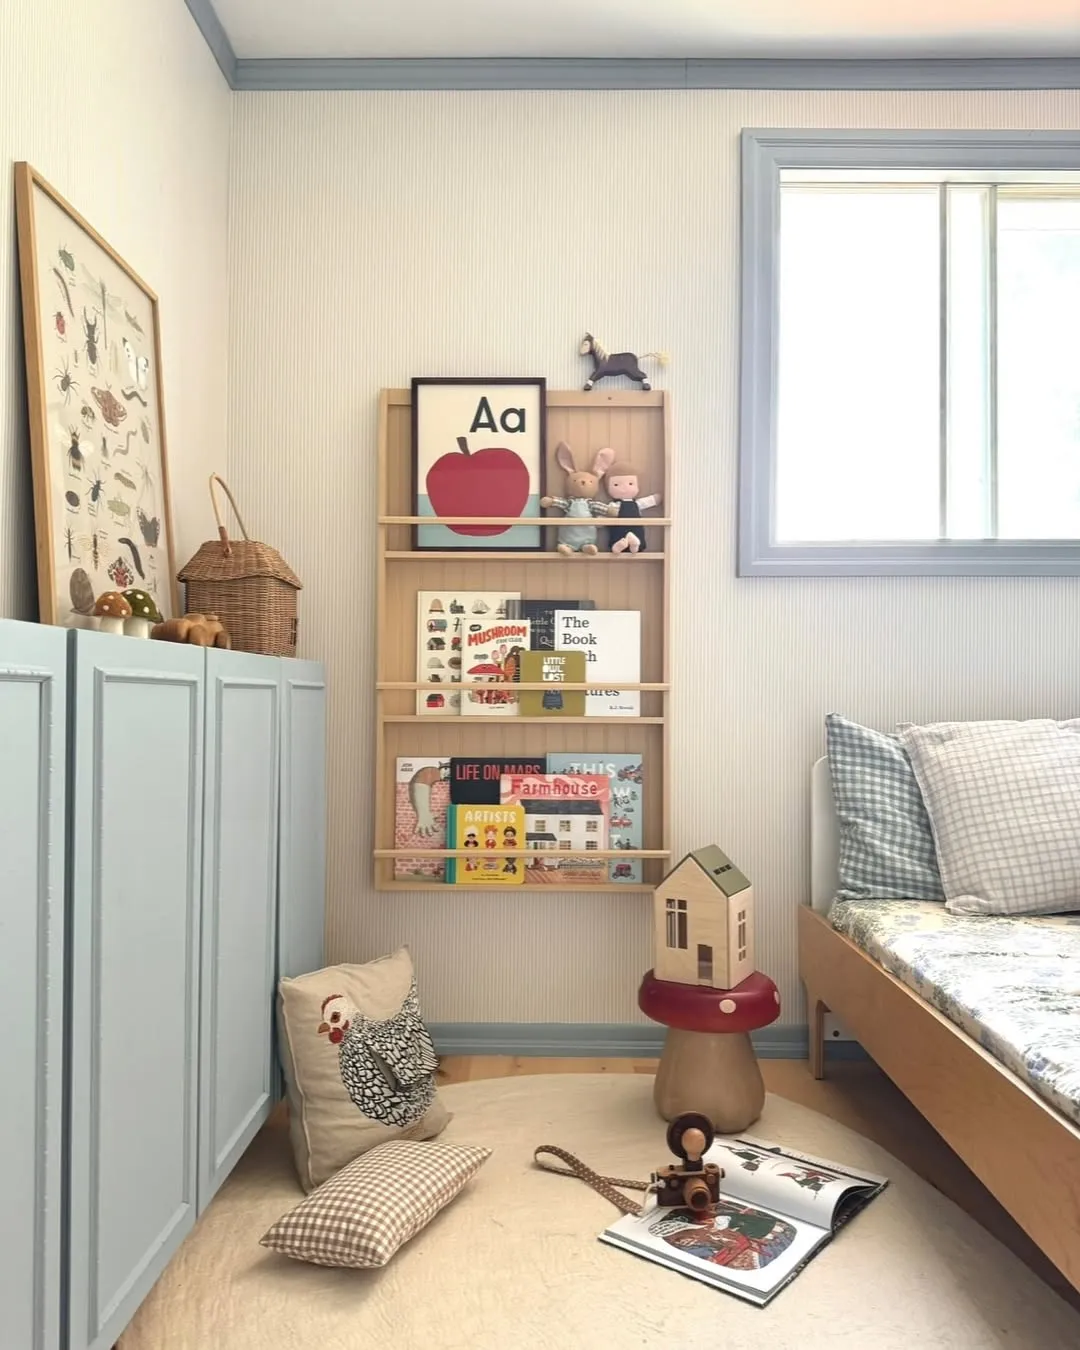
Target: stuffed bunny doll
{"x": 581, "y": 504}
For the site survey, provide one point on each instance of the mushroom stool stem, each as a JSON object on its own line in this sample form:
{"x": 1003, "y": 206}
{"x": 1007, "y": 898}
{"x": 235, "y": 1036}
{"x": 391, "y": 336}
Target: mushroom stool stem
{"x": 716, "y": 1074}
{"x": 708, "y": 1064}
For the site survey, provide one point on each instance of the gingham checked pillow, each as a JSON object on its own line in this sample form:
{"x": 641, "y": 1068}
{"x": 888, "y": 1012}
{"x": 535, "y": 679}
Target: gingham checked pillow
{"x": 886, "y": 844}
{"x": 361, "y": 1216}
{"x": 1004, "y": 802}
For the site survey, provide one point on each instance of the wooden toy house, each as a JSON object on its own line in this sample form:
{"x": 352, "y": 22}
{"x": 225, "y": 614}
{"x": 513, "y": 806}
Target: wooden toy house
{"x": 704, "y": 918}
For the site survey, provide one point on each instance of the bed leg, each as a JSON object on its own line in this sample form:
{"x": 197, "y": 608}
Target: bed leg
{"x": 817, "y": 1011}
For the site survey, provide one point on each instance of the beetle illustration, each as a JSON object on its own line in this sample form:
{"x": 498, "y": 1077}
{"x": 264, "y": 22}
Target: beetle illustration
{"x": 88, "y": 415}
{"x": 69, "y": 545}
{"x": 76, "y": 458}
{"x": 61, "y": 326}
{"x": 72, "y": 499}
{"x": 66, "y": 258}
{"x": 125, "y": 480}
{"x": 90, "y": 327}
{"x": 119, "y": 510}
{"x": 98, "y": 539}
{"x": 65, "y": 382}
{"x": 93, "y": 494}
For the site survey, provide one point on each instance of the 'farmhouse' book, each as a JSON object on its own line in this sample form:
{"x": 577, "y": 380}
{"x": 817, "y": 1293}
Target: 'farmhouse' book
{"x": 566, "y": 816}
{"x": 476, "y": 780}
{"x": 611, "y": 641}
{"x": 777, "y": 1210}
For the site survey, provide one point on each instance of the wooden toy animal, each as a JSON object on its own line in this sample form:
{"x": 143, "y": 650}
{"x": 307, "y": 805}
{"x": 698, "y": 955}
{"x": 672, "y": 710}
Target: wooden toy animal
{"x": 580, "y": 502}
{"x": 608, "y": 365}
{"x": 201, "y": 630}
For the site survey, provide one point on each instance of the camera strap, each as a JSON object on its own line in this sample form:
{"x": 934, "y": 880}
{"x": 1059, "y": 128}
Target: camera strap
{"x": 604, "y": 1186}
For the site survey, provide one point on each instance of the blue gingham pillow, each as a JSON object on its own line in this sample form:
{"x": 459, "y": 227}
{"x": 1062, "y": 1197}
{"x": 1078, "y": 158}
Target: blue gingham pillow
{"x": 886, "y": 844}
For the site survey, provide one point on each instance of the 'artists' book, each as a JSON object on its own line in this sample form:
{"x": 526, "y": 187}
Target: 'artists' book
{"x": 541, "y": 614}
{"x": 611, "y": 641}
{"x": 475, "y": 781}
{"x": 482, "y": 830}
{"x": 625, "y": 774}
{"x": 491, "y": 651}
{"x": 421, "y": 796}
{"x": 777, "y": 1209}
{"x": 566, "y": 817}
{"x": 559, "y": 668}
{"x": 440, "y": 620}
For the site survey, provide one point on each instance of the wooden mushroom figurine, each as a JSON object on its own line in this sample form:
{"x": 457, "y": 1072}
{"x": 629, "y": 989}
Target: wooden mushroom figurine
{"x": 144, "y": 613}
{"x": 110, "y": 611}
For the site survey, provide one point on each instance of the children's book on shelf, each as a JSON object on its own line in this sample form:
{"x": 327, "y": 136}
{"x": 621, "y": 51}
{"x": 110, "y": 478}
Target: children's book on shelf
{"x": 566, "y": 816}
{"x": 561, "y": 668}
{"x": 476, "y": 780}
{"x": 611, "y": 641}
{"x": 440, "y": 620}
{"x": 491, "y": 651}
{"x": 777, "y": 1209}
{"x": 482, "y": 829}
{"x": 421, "y": 796}
{"x": 625, "y": 774}
{"x": 541, "y": 614}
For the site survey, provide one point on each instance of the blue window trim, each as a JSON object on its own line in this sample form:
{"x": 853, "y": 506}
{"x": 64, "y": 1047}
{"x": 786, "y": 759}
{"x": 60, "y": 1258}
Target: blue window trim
{"x": 764, "y": 154}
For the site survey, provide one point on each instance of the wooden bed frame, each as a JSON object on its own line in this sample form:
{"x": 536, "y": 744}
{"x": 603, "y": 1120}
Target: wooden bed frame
{"x": 1024, "y": 1152}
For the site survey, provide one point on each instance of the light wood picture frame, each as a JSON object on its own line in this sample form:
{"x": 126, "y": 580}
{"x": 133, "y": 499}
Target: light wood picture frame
{"x": 96, "y": 410}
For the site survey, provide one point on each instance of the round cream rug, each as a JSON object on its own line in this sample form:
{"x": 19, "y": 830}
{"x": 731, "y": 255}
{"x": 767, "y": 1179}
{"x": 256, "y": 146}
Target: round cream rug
{"x": 514, "y": 1262}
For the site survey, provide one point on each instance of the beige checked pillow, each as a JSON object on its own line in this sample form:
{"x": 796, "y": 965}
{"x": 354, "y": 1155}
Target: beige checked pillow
{"x": 364, "y": 1214}
{"x": 359, "y": 1063}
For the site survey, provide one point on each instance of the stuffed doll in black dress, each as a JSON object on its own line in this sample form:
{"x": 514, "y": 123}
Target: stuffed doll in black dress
{"x": 621, "y": 485}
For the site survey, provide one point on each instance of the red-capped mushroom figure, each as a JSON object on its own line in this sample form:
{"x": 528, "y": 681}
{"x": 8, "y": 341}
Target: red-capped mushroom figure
{"x": 708, "y": 1063}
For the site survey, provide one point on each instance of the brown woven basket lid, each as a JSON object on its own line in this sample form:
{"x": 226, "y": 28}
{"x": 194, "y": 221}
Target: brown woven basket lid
{"x": 223, "y": 559}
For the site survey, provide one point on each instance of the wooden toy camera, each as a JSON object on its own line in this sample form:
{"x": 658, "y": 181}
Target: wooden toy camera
{"x": 695, "y": 1184}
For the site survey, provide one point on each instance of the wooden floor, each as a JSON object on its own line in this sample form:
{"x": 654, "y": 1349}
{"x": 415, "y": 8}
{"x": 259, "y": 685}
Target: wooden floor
{"x": 858, "y": 1095}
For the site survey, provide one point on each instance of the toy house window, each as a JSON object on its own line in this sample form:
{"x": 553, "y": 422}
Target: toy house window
{"x": 564, "y": 827}
{"x": 740, "y": 936}
{"x": 676, "y": 924}
{"x": 591, "y": 843}
{"x": 541, "y": 826}
{"x": 704, "y": 962}
{"x": 564, "y": 844}
{"x": 909, "y": 381}
{"x": 592, "y": 826}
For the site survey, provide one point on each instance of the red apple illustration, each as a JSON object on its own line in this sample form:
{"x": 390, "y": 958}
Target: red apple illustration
{"x": 491, "y": 482}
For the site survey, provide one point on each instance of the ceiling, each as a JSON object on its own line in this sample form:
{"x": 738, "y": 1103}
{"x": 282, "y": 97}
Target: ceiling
{"x": 652, "y": 28}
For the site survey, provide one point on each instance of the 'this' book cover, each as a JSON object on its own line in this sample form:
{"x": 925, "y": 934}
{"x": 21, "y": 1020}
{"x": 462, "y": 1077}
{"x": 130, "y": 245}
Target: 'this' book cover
{"x": 474, "y": 781}
{"x": 625, "y": 774}
{"x": 421, "y": 796}
{"x": 560, "y": 667}
{"x": 491, "y": 652}
{"x": 481, "y": 830}
{"x": 566, "y": 817}
{"x": 611, "y": 641}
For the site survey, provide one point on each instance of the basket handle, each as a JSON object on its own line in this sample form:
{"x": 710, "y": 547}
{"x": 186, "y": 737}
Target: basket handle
{"x": 222, "y": 532}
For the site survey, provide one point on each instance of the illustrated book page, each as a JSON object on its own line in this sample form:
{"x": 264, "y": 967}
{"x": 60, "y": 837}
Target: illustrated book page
{"x": 491, "y": 665}
{"x": 440, "y": 624}
{"x": 421, "y": 796}
{"x": 482, "y": 830}
{"x": 611, "y": 641}
{"x": 555, "y": 668}
{"x": 566, "y": 818}
{"x": 625, "y": 773}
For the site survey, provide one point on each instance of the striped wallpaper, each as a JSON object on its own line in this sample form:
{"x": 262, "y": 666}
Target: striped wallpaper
{"x": 376, "y": 236}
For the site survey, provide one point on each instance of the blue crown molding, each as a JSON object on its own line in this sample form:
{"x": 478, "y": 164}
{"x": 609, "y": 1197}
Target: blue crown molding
{"x": 612, "y": 1040}
{"x": 558, "y": 73}
{"x": 209, "y": 25}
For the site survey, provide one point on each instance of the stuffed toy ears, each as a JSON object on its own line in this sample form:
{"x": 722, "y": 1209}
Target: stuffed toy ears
{"x": 564, "y": 459}
{"x": 603, "y": 461}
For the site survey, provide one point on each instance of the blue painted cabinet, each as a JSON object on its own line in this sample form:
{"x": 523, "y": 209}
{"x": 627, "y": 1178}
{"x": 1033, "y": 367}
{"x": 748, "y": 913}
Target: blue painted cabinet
{"x": 302, "y": 889}
{"x": 133, "y": 1018}
{"x": 33, "y": 746}
{"x": 239, "y": 920}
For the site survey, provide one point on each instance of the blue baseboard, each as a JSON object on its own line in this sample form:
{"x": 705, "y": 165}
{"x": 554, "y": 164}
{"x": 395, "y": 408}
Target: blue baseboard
{"x": 606, "y": 1040}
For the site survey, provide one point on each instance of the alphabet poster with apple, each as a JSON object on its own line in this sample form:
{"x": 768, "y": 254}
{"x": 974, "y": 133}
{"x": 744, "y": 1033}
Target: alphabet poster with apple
{"x": 478, "y": 450}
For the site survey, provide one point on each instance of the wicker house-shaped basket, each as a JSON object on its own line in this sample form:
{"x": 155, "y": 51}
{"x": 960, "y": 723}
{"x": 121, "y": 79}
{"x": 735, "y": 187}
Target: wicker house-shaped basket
{"x": 248, "y": 585}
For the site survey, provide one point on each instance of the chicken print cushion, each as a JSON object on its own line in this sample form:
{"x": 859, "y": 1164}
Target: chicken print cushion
{"x": 359, "y": 1063}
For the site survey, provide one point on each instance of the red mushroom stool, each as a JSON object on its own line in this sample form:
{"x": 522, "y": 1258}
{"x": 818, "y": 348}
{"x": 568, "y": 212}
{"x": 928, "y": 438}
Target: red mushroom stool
{"x": 708, "y": 1064}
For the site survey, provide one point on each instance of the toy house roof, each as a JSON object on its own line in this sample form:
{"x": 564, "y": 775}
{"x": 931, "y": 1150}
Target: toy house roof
{"x": 718, "y": 867}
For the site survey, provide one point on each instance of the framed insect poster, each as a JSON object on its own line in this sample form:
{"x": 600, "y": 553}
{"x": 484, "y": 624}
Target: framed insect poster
{"x": 478, "y": 450}
{"x": 97, "y": 417}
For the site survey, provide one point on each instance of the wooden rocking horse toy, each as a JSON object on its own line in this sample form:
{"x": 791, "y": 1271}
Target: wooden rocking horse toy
{"x": 607, "y": 365}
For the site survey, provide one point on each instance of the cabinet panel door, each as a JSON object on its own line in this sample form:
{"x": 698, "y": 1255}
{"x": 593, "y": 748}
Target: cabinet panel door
{"x": 33, "y": 749}
{"x": 239, "y": 917}
{"x": 303, "y": 818}
{"x": 136, "y": 861}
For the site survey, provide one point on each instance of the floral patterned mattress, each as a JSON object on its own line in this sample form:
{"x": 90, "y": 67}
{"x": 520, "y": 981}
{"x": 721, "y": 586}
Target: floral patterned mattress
{"x": 1013, "y": 984}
